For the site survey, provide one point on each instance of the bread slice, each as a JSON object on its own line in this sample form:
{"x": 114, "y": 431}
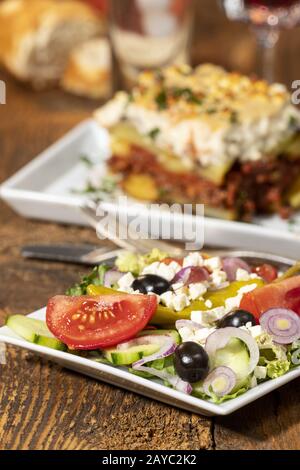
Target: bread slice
{"x": 36, "y": 36}
{"x": 88, "y": 72}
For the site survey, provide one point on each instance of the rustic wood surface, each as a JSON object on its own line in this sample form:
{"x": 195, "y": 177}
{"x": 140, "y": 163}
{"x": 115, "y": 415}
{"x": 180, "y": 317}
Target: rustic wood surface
{"x": 43, "y": 406}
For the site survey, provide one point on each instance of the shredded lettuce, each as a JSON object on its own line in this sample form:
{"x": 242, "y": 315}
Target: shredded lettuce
{"x": 269, "y": 351}
{"x": 276, "y": 369}
{"x": 135, "y": 263}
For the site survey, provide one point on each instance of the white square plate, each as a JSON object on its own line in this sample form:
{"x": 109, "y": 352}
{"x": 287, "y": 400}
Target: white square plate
{"x": 149, "y": 388}
{"x": 44, "y": 189}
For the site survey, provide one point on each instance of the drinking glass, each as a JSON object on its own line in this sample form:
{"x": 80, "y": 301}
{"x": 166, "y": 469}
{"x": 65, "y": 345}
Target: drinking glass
{"x": 147, "y": 34}
{"x": 267, "y": 18}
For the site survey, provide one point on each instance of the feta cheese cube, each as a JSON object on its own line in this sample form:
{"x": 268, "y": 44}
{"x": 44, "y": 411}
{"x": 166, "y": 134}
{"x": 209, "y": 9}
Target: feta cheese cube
{"x": 213, "y": 263}
{"x": 218, "y": 277}
{"x": 197, "y": 290}
{"x": 193, "y": 259}
{"x": 151, "y": 268}
{"x": 208, "y": 304}
{"x": 167, "y": 299}
{"x": 180, "y": 302}
{"x": 165, "y": 271}
{"x": 242, "y": 275}
{"x": 126, "y": 281}
{"x": 260, "y": 372}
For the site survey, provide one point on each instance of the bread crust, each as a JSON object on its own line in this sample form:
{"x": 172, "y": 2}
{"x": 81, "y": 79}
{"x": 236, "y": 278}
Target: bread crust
{"x": 35, "y": 36}
{"x": 88, "y": 72}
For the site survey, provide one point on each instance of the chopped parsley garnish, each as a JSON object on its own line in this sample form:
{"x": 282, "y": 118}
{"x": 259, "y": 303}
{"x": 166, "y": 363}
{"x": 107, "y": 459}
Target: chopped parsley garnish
{"x": 234, "y": 117}
{"x": 154, "y": 133}
{"x": 162, "y": 100}
{"x": 187, "y": 94}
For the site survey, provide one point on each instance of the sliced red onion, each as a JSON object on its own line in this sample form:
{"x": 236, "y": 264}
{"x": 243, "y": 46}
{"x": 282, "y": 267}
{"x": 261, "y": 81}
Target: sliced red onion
{"x": 168, "y": 348}
{"x": 111, "y": 277}
{"x": 231, "y": 265}
{"x": 188, "y": 324}
{"x": 191, "y": 275}
{"x": 282, "y": 324}
{"x": 160, "y": 340}
{"x": 296, "y": 358}
{"x": 220, "y": 338}
{"x": 226, "y": 379}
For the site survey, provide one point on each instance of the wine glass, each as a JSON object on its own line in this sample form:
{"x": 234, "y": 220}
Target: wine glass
{"x": 267, "y": 18}
{"x": 148, "y": 34}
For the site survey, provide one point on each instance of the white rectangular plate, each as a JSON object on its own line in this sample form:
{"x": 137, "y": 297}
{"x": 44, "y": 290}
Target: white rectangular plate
{"x": 149, "y": 388}
{"x": 43, "y": 189}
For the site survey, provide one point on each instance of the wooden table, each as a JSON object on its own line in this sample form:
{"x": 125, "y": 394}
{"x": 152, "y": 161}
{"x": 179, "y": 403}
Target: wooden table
{"x": 43, "y": 406}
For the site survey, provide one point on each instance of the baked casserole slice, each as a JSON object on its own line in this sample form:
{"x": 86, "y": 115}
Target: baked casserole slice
{"x": 207, "y": 136}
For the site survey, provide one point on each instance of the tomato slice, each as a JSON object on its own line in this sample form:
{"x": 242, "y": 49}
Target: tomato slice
{"x": 268, "y": 272}
{"x": 93, "y": 322}
{"x": 285, "y": 294}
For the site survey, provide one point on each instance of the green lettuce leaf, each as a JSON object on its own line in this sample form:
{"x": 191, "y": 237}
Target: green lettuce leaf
{"x": 96, "y": 278}
{"x": 276, "y": 369}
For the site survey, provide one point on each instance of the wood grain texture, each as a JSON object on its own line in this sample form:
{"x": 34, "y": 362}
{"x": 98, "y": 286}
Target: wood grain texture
{"x": 43, "y": 406}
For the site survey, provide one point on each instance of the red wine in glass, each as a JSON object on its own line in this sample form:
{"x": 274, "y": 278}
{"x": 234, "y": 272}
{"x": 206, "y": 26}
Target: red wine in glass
{"x": 267, "y": 18}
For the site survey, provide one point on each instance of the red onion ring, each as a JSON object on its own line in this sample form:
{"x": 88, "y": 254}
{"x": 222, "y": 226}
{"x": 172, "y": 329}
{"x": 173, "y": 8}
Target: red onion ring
{"x": 282, "y": 335}
{"x": 191, "y": 275}
{"x": 168, "y": 348}
{"x": 220, "y": 338}
{"x": 160, "y": 340}
{"x": 111, "y": 277}
{"x": 231, "y": 265}
{"x": 224, "y": 373}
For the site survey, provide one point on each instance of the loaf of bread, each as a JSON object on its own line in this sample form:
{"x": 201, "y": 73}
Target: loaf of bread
{"x": 88, "y": 72}
{"x": 37, "y": 36}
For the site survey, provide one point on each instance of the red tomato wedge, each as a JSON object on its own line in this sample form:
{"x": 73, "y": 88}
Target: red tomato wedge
{"x": 268, "y": 272}
{"x": 285, "y": 294}
{"x": 99, "y": 321}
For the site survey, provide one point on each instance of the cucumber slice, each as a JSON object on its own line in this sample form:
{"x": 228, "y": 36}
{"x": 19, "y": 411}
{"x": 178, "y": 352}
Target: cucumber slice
{"x": 173, "y": 333}
{"x": 34, "y": 331}
{"x": 131, "y": 355}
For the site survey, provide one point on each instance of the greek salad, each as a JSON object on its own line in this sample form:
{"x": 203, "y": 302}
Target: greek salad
{"x": 207, "y": 326}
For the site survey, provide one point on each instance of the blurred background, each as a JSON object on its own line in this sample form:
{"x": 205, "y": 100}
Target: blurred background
{"x": 51, "y": 43}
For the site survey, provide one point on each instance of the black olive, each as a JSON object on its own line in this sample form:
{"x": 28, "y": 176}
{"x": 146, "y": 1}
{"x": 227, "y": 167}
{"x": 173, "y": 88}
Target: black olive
{"x": 237, "y": 319}
{"x": 191, "y": 362}
{"x": 151, "y": 283}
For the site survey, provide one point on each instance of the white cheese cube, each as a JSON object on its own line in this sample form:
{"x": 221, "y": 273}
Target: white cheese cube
{"x": 126, "y": 281}
{"x": 180, "y": 302}
{"x": 193, "y": 259}
{"x": 197, "y": 290}
{"x": 242, "y": 275}
{"x": 213, "y": 263}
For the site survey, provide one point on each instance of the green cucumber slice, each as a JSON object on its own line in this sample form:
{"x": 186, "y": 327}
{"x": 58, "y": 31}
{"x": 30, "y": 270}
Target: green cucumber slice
{"x": 173, "y": 333}
{"x": 131, "y": 355}
{"x": 34, "y": 331}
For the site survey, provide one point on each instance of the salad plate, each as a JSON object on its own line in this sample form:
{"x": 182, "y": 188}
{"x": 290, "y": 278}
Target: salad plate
{"x": 51, "y": 187}
{"x": 152, "y": 390}
{"x": 131, "y": 325}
